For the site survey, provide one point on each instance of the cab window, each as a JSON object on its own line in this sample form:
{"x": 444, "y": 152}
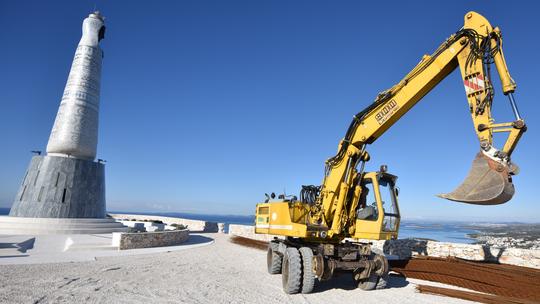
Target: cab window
{"x": 367, "y": 206}
{"x": 390, "y": 211}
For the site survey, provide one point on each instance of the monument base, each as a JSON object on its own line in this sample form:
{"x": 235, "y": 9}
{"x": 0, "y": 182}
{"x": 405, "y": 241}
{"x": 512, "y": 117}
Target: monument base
{"x": 61, "y": 187}
{"x": 39, "y": 226}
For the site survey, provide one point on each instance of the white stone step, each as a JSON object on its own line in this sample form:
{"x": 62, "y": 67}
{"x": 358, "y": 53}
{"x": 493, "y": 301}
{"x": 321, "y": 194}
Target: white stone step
{"x": 61, "y": 231}
{"x": 70, "y": 225}
{"x": 85, "y": 247}
{"x": 55, "y": 220}
{"x": 33, "y": 226}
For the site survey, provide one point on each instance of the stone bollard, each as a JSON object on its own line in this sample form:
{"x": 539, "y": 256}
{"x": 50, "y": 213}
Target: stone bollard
{"x": 221, "y": 227}
{"x": 116, "y": 236}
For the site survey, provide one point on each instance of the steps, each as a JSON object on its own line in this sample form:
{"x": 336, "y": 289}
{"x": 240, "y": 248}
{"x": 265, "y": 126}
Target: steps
{"x": 31, "y": 226}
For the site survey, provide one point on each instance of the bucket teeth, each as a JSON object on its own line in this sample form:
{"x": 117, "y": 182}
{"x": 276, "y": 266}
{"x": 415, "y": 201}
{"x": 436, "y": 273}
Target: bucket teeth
{"x": 488, "y": 183}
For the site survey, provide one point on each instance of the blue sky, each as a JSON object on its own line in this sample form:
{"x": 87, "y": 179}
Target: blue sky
{"x": 207, "y": 105}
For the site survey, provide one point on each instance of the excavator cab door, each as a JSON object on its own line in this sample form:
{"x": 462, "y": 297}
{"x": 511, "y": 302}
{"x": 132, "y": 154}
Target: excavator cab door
{"x": 377, "y": 213}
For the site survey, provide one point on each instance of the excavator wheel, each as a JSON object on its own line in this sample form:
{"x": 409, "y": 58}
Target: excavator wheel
{"x": 369, "y": 283}
{"x": 291, "y": 271}
{"x": 382, "y": 281}
{"x": 273, "y": 261}
{"x": 308, "y": 276}
{"x": 382, "y": 271}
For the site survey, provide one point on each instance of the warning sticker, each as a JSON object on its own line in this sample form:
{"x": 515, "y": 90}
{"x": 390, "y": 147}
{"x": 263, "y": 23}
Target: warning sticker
{"x": 474, "y": 84}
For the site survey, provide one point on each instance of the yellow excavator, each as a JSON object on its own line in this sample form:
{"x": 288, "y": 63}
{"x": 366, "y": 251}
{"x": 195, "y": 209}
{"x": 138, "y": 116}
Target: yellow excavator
{"x": 328, "y": 228}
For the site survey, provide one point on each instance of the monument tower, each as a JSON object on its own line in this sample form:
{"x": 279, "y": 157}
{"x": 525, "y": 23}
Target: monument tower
{"x": 68, "y": 183}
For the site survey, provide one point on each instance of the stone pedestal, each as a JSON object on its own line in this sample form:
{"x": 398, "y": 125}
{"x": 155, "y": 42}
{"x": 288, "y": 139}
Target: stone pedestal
{"x": 41, "y": 226}
{"x": 61, "y": 187}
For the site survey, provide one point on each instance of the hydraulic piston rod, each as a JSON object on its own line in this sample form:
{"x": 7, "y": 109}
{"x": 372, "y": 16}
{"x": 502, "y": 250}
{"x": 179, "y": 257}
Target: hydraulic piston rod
{"x": 514, "y": 106}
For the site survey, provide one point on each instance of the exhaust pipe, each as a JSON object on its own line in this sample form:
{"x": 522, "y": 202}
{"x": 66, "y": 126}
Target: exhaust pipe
{"x": 489, "y": 182}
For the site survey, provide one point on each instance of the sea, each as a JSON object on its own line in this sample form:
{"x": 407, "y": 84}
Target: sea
{"x": 455, "y": 232}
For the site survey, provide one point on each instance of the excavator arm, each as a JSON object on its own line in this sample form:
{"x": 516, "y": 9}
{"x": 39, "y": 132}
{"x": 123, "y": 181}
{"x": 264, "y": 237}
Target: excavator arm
{"x": 474, "y": 49}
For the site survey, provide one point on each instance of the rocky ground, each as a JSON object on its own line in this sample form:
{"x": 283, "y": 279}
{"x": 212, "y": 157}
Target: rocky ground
{"x": 222, "y": 272}
{"x": 525, "y": 236}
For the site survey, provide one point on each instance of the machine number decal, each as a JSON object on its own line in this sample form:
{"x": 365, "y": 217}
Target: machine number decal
{"x": 386, "y": 112}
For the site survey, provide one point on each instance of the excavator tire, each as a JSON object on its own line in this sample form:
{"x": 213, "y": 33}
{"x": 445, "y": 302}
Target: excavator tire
{"x": 382, "y": 272}
{"x": 308, "y": 276}
{"x": 273, "y": 261}
{"x": 369, "y": 283}
{"x": 382, "y": 281}
{"x": 291, "y": 271}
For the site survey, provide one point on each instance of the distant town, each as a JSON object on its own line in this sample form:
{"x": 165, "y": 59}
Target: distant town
{"x": 515, "y": 235}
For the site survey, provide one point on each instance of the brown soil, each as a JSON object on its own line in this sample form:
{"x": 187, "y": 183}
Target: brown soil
{"x": 471, "y": 296}
{"x": 249, "y": 242}
{"x": 496, "y": 279}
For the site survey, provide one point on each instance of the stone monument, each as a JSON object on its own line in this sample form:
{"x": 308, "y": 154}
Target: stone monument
{"x": 68, "y": 183}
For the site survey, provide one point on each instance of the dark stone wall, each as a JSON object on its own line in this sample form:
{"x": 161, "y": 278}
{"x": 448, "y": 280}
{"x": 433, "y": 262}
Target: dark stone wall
{"x": 153, "y": 239}
{"x": 61, "y": 187}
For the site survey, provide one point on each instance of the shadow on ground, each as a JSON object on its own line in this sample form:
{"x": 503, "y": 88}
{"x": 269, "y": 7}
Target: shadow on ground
{"x": 195, "y": 239}
{"x": 14, "y": 256}
{"x": 345, "y": 281}
{"x": 21, "y": 247}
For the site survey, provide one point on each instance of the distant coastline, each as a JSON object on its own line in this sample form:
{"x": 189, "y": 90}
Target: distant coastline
{"x": 453, "y": 232}
{"x": 513, "y": 235}
{"x": 527, "y": 235}
{"x": 445, "y": 232}
{"x": 228, "y": 219}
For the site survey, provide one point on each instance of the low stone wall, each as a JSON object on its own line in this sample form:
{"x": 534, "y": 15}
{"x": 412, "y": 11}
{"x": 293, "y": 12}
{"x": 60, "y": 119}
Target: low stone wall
{"x": 193, "y": 225}
{"x": 150, "y": 239}
{"x": 249, "y": 232}
{"x": 516, "y": 256}
{"x": 407, "y": 248}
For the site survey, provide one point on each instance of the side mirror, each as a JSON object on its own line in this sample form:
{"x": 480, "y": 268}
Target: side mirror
{"x": 396, "y": 191}
{"x": 273, "y": 195}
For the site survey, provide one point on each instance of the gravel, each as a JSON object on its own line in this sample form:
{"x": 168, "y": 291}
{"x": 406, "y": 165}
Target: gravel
{"x": 222, "y": 272}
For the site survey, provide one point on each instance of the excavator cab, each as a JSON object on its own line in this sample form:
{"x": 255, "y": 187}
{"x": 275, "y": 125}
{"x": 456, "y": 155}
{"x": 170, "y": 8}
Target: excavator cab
{"x": 377, "y": 214}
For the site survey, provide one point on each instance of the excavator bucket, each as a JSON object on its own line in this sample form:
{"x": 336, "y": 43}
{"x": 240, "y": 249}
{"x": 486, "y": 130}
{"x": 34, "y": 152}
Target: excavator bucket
{"x": 489, "y": 182}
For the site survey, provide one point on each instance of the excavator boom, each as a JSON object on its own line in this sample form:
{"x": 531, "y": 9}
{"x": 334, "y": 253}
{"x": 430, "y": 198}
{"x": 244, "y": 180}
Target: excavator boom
{"x": 473, "y": 49}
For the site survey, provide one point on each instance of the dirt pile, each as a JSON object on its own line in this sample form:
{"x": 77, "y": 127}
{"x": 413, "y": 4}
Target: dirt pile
{"x": 249, "y": 242}
{"x": 514, "y": 282}
{"x": 471, "y": 296}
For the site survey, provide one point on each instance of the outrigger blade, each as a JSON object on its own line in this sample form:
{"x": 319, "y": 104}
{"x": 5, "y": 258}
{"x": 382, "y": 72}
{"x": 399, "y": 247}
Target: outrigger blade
{"x": 489, "y": 182}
